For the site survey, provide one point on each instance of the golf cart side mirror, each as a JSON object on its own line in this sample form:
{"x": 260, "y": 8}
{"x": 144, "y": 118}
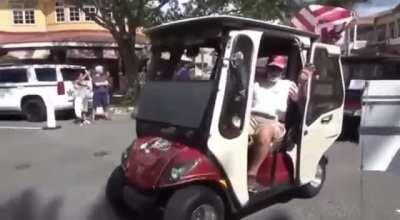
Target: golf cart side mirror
{"x": 237, "y": 59}
{"x": 134, "y": 113}
{"x": 239, "y": 69}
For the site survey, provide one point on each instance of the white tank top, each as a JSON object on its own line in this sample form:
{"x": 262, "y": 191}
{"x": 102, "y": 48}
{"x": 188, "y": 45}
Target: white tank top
{"x": 271, "y": 98}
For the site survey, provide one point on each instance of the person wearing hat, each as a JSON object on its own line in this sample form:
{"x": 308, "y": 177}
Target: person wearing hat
{"x": 270, "y": 99}
{"x": 82, "y": 92}
{"x": 100, "y": 90}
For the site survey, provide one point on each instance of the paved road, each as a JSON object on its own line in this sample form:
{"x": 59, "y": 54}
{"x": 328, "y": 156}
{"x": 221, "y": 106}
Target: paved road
{"x": 60, "y": 175}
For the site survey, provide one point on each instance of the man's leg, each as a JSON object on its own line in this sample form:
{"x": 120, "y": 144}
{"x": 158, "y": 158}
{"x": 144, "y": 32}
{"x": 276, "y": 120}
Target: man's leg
{"x": 262, "y": 147}
{"x": 78, "y": 109}
{"x": 95, "y": 104}
{"x": 105, "y": 105}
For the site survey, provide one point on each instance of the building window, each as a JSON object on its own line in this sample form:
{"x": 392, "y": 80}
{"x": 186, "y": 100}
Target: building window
{"x": 381, "y": 32}
{"x": 60, "y": 11}
{"x": 18, "y": 16}
{"x": 21, "y": 14}
{"x": 68, "y": 13}
{"x": 24, "y": 16}
{"x": 90, "y": 11}
{"x": 29, "y": 16}
{"x": 74, "y": 14}
{"x": 60, "y": 14}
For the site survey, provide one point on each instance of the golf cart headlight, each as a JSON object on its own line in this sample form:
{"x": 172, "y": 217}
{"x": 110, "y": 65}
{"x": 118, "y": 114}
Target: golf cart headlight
{"x": 124, "y": 156}
{"x": 126, "y": 152}
{"x": 179, "y": 170}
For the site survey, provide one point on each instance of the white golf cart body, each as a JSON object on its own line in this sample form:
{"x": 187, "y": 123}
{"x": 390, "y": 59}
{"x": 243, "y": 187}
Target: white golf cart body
{"x": 323, "y": 113}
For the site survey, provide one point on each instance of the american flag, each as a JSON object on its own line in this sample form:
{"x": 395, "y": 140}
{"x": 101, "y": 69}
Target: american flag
{"x": 327, "y": 21}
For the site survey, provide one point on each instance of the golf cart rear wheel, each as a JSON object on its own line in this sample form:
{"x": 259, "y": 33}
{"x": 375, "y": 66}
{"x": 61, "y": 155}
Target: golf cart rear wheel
{"x": 314, "y": 187}
{"x": 195, "y": 203}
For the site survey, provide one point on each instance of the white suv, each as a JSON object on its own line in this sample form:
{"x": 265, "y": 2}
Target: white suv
{"x": 23, "y": 87}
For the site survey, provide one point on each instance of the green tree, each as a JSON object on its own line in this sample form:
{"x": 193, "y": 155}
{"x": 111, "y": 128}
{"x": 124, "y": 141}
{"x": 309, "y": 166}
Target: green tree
{"x": 122, "y": 18}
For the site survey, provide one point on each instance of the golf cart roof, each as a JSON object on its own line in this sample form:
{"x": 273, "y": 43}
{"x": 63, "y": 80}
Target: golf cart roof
{"x": 222, "y": 22}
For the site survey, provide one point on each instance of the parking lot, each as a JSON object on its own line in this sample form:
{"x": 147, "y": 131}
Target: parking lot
{"x": 61, "y": 174}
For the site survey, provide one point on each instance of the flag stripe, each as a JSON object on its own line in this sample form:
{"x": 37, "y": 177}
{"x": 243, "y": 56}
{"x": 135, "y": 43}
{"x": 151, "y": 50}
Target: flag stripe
{"x": 305, "y": 22}
{"x": 321, "y": 11}
{"x": 326, "y": 21}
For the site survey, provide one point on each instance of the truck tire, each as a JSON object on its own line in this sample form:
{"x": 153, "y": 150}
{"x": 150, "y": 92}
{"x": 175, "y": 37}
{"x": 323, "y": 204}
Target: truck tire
{"x": 195, "y": 202}
{"x": 34, "y": 109}
{"x": 311, "y": 189}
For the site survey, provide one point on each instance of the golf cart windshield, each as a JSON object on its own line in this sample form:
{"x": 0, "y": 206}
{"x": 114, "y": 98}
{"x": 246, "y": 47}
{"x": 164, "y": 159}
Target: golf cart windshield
{"x": 175, "y": 103}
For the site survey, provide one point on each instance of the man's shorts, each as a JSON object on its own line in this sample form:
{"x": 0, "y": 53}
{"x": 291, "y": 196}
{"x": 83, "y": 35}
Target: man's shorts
{"x": 257, "y": 123}
{"x": 100, "y": 99}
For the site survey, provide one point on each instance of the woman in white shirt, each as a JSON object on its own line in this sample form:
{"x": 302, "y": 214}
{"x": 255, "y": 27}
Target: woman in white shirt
{"x": 82, "y": 93}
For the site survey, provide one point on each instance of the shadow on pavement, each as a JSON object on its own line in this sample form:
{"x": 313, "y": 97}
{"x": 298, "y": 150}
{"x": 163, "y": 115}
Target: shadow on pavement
{"x": 103, "y": 210}
{"x": 12, "y": 118}
{"x": 26, "y": 206}
{"x": 276, "y": 214}
{"x": 279, "y": 215}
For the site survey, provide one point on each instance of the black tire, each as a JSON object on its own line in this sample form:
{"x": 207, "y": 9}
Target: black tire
{"x": 311, "y": 189}
{"x": 34, "y": 110}
{"x": 184, "y": 202}
{"x": 114, "y": 189}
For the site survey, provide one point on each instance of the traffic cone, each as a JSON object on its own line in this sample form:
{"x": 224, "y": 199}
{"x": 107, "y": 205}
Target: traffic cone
{"x": 51, "y": 122}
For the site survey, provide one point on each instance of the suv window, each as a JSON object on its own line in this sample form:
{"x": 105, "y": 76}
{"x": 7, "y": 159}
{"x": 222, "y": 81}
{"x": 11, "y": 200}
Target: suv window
{"x": 326, "y": 86}
{"x": 70, "y": 74}
{"x": 46, "y": 74}
{"x": 13, "y": 76}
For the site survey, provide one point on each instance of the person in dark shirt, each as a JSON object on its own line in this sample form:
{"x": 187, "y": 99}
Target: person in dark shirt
{"x": 100, "y": 89}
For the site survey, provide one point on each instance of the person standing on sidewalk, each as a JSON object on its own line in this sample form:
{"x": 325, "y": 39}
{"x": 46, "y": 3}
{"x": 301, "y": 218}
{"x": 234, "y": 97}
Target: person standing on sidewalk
{"x": 83, "y": 89}
{"x": 100, "y": 90}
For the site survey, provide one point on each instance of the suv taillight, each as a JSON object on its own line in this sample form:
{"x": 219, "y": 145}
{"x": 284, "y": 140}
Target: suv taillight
{"x": 60, "y": 88}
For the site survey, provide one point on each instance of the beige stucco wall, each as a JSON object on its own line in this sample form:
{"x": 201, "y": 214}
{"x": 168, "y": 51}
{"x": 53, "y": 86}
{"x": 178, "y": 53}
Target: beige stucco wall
{"x": 6, "y": 20}
{"x": 45, "y": 20}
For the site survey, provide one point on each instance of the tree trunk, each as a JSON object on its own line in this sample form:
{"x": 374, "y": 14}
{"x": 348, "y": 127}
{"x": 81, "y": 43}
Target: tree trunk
{"x": 130, "y": 65}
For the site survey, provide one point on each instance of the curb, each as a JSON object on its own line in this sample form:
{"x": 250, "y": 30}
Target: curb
{"x": 121, "y": 110}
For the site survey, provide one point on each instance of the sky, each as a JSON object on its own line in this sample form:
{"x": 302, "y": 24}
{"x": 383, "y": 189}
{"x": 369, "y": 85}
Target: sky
{"x": 375, "y": 6}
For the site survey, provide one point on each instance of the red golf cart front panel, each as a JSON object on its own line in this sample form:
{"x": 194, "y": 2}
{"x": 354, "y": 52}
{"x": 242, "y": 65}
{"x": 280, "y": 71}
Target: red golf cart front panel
{"x": 151, "y": 160}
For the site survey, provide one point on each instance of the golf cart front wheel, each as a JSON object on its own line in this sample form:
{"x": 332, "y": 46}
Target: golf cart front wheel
{"x": 114, "y": 189}
{"x": 314, "y": 187}
{"x": 195, "y": 203}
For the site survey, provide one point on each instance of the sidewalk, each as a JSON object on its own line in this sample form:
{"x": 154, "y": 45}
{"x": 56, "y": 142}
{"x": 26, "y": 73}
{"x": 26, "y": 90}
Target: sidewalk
{"x": 121, "y": 110}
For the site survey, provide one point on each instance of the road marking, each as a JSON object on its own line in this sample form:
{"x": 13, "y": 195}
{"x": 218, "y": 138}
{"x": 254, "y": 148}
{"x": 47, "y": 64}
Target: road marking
{"x": 20, "y": 128}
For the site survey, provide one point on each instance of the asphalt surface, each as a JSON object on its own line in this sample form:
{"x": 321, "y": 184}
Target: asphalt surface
{"x": 61, "y": 174}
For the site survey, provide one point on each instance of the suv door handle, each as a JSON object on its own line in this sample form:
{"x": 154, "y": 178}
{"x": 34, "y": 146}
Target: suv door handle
{"x": 326, "y": 119}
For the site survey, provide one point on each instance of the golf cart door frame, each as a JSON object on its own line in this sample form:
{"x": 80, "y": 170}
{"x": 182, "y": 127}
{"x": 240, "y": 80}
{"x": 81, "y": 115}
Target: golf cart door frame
{"x": 228, "y": 140}
{"x": 322, "y": 122}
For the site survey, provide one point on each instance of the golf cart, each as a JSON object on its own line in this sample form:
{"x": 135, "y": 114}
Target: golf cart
{"x": 190, "y": 158}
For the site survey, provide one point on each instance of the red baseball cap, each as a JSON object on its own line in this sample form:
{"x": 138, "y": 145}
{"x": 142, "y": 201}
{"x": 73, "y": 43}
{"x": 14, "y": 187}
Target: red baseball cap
{"x": 278, "y": 61}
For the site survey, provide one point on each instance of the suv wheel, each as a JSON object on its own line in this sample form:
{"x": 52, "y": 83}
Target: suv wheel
{"x": 34, "y": 109}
